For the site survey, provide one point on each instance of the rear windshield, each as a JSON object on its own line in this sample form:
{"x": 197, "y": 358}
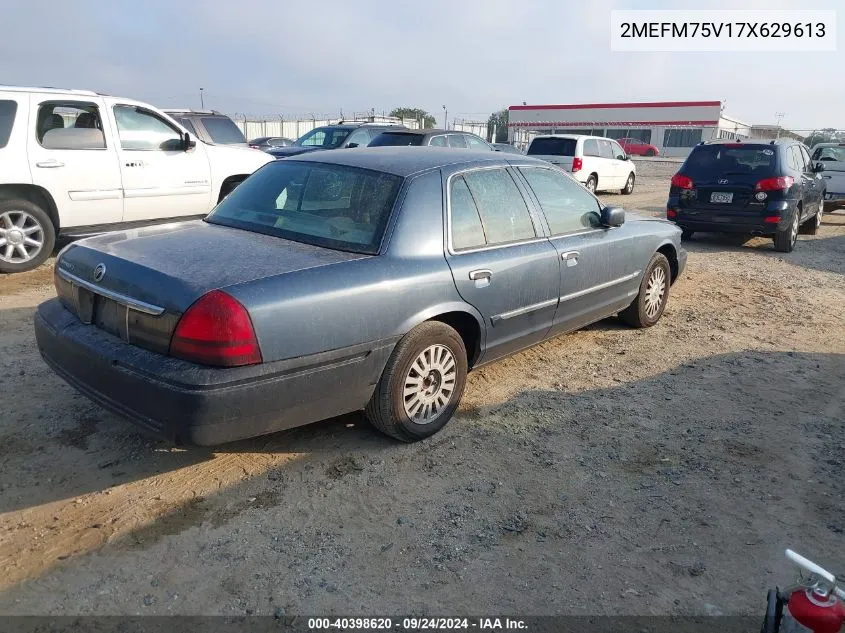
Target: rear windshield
{"x": 835, "y": 154}
{"x": 391, "y": 138}
{"x": 223, "y": 130}
{"x": 335, "y": 206}
{"x": 7, "y": 117}
{"x": 553, "y": 147}
{"x": 707, "y": 160}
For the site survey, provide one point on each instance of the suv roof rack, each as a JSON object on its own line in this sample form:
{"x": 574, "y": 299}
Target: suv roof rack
{"x": 189, "y": 111}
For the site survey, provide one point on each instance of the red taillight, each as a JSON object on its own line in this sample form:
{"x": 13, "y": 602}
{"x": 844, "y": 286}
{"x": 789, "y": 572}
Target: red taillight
{"x": 216, "y": 330}
{"x": 682, "y": 182}
{"x": 671, "y": 213}
{"x": 577, "y": 164}
{"x": 771, "y": 219}
{"x": 775, "y": 184}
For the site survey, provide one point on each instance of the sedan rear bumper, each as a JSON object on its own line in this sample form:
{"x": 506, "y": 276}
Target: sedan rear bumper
{"x": 189, "y": 403}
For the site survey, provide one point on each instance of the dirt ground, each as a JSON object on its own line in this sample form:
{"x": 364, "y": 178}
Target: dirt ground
{"x": 611, "y": 470}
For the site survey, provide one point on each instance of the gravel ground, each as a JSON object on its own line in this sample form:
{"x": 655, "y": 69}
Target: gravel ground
{"x": 611, "y": 470}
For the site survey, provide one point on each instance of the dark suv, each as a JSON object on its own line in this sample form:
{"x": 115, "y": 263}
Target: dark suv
{"x": 756, "y": 187}
{"x": 333, "y": 137}
{"x": 210, "y": 126}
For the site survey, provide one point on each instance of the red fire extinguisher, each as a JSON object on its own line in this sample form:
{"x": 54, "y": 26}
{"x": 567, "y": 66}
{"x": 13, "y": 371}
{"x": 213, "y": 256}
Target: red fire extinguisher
{"x": 814, "y": 605}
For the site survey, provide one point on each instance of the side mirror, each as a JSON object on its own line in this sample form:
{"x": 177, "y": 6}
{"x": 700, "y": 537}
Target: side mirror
{"x": 612, "y": 216}
{"x": 188, "y": 142}
{"x": 351, "y": 145}
{"x": 818, "y": 167}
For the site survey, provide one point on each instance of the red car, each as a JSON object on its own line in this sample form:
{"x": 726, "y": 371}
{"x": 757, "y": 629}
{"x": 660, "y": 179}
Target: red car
{"x": 636, "y": 147}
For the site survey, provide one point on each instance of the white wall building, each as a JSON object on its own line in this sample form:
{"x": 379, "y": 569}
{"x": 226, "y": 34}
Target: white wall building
{"x": 672, "y": 126}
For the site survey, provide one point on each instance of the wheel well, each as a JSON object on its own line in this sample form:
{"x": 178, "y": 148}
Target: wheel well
{"x": 230, "y": 183}
{"x": 669, "y": 251}
{"x": 36, "y": 195}
{"x": 466, "y": 325}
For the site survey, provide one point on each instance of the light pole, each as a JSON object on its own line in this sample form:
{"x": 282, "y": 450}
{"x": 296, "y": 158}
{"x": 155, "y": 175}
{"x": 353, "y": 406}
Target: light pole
{"x": 445, "y": 118}
{"x": 779, "y": 116}
{"x": 202, "y": 102}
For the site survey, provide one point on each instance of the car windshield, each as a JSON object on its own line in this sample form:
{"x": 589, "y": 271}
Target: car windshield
{"x": 223, "y": 130}
{"x": 835, "y": 154}
{"x": 552, "y": 147}
{"x": 335, "y": 206}
{"x": 325, "y": 137}
{"x": 396, "y": 139}
{"x": 708, "y": 160}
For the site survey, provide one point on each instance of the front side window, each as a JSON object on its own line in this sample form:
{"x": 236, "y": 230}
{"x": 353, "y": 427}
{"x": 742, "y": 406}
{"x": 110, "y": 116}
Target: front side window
{"x": 325, "y": 137}
{"x": 140, "y": 129}
{"x": 334, "y": 206}
{"x": 591, "y": 147}
{"x": 503, "y": 211}
{"x": 69, "y": 125}
{"x": 8, "y": 109}
{"x": 223, "y": 130}
{"x": 834, "y": 154}
{"x": 618, "y": 152}
{"x": 457, "y": 140}
{"x": 396, "y": 139}
{"x": 476, "y": 143}
{"x": 808, "y": 162}
{"x": 360, "y": 138}
{"x": 605, "y": 150}
{"x": 438, "y": 141}
{"x": 467, "y": 230}
{"x": 567, "y": 205}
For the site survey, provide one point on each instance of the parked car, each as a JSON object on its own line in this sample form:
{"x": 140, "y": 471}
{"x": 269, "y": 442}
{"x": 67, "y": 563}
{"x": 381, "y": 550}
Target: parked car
{"x": 599, "y": 163}
{"x": 341, "y": 297}
{"x": 267, "y": 142}
{"x": 506, "y": 147}
{"x": 210, "y": 126}
{"x": 430, "y": 137}
{"x": 637, "y": 147}
{"x": 340, "y": 136}
{"x": 759, "y": 188}
{"x": 832, "y": 157}
{"x": 74, "y": 162}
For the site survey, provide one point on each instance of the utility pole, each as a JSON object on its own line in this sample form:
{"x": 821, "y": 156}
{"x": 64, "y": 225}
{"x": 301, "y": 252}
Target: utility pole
{"x": 779, "y": 116}
{"x": 445, "y": 118}
{"x": 202, "y": 103}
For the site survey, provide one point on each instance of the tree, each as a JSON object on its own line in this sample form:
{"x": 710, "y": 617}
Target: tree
{"x": 500, "y": 121}
{"x": 428, "y": 120}
{"x": 825, "y": 135}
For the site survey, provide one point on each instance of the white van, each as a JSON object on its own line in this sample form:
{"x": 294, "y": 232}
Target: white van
{"x": 600, "y": 164}
{"x": 832, "y": 156}
{"x": 74, "y": 162}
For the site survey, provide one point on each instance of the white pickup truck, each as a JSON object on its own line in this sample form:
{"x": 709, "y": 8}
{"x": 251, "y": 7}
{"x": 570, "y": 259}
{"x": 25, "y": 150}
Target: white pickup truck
{"x": 74, "y": 162}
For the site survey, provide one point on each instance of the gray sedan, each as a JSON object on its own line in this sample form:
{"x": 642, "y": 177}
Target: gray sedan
{"x": 367, "y": 279}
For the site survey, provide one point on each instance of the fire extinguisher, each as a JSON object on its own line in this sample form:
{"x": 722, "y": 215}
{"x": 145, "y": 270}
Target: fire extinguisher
{"x": 814, "y": 605}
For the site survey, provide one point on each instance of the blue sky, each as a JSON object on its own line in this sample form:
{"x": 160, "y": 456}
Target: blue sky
{"x": 290, "y": 57}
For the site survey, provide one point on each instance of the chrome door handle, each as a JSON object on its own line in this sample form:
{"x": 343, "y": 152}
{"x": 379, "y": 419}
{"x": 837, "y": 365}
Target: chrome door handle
{"x": 570, "y": 257}
{"x": 482, "y": 273}
{"x": 49, "y": 163}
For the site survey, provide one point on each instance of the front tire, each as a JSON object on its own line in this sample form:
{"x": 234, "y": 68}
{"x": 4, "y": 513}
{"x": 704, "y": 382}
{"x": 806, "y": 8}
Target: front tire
{"x": 421, "y": 385}
{"x": 812, "y": 226}
{"x": 785, "y": 239}
{"x": 650, "y": 152}
{"x": 628, "y": 189}
{"x": 650, "y": 303}
{"x": 27, "y": 236}
{"x": 686, "y": 234}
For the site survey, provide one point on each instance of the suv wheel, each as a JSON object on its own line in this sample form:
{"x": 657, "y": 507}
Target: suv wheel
{"x": 812, "y": 226}
{"x": 686, "y": 234}
{"x": 629, "y": 185}
{"x": 421, "y": 385}
{"x": 27, "y": 236}
{"x": 592, "y": 183}
{"x": 785, "y": 239}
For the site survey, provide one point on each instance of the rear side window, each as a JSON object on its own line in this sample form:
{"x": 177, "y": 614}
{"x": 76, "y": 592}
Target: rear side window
{"x": 552, "y": 147}
{"x": 591, "y": 147}
{"x": 475, "y": 143}
{"x": 457, "y": 140}
{"x": 7, "y": 118}
{"x": 437, "y": 141}
{"x": 467, "y": 231}
{"x": 72, "y": 125}
{"x": 223, "y": 130}
{"x": 709, "y": 160}
{"x": 566, "y": 204}
{"x": 503, "y": 212}
{"x": 393, "y": 139}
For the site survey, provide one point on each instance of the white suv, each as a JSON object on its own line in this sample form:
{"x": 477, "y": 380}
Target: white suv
{"x": 599, "y": 163}
{"x": 74, "y": 162}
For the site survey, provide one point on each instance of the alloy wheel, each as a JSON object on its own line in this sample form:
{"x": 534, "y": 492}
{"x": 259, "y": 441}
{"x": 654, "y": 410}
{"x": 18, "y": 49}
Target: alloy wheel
{"x": 655, "y": 290}
{"x": 21, "y": 237}
{"x": 429, "y": 384}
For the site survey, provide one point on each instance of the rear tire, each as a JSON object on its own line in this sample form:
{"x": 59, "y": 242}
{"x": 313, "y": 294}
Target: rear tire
{"x": 27, "y": 236}
{"x": 628, "y": 189}
{"x": 686, "y": 234}
{"x": 650, "y": 303}
{"x": 650, "y": 152}
{"x": 592, "y": 183}
{"x": 785, "y": 239}
{"x": 421, "y": 385}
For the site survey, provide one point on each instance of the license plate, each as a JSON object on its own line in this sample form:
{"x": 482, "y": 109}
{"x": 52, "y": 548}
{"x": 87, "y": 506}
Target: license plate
{"x": 724, "y": 198}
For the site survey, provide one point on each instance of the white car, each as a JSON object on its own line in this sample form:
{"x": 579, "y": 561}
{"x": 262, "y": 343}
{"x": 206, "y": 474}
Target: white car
{"x": 74, "y": 162}
{"x": 832, "y": 156}
{"x": 600, "y": 164}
